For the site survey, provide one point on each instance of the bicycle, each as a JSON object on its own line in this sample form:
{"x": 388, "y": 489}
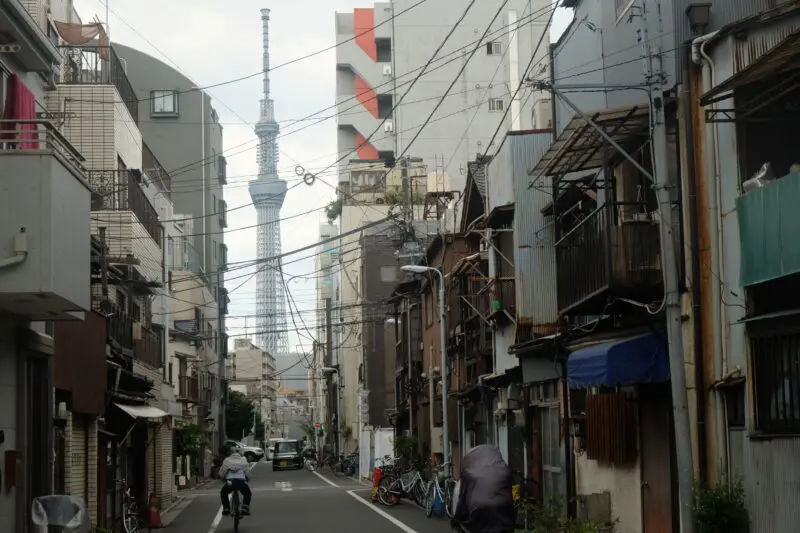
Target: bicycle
{"x": 235, "y": 507}
{"x": 441, "y": 486}
{"x": 131, "y": 517}
{"x": 393, "y": 487}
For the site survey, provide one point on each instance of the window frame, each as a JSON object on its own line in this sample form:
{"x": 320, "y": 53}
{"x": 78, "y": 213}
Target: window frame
{"x": 161, "y": 94}
{"x": 622, "y": 7}
{"x": 494, "y": 48}
{"x": 492, "y": 102}
{"x": 763, "y": 423}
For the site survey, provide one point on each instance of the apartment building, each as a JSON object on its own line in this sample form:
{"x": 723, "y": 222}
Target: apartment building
{"x": 44, "y": 256}
{"x": 394, "y": 40}
{"x": 251, "y": 371}
{"x": 178, "y": 120}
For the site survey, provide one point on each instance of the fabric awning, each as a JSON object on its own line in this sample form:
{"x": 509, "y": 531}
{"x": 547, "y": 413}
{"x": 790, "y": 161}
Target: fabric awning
{"x": 630, "y": 361}
{"x": 580, "y": 146}
{"x": 142, "y": 411}
{"x": 777, "y": 61}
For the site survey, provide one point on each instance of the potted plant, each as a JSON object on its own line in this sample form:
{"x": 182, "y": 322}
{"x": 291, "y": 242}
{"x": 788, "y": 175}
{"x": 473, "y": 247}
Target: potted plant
{"x": 720, "y": 508}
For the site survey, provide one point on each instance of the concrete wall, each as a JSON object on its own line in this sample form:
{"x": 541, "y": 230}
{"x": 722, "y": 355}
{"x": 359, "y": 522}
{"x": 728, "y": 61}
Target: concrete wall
{"x": 178, "y": 143}
{"x": 466, "y": 109}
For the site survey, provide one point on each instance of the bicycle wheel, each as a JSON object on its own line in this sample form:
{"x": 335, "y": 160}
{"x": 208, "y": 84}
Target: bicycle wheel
{"x": 449, "y": 488}
{"x": 235, "y": 511}
{"x": 130, "y": 517}
{"x": 430, "y": 498}
{"x": 386, "y": 496}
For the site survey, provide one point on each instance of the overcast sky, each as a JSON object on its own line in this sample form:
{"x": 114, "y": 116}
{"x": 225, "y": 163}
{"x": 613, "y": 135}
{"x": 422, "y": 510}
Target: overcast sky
{"x": 214, "y": 41}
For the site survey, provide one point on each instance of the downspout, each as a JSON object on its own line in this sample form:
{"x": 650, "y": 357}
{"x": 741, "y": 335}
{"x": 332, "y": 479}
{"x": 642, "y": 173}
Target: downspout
{"x": 713, "y": 196}
{"x": 685, "y": 103}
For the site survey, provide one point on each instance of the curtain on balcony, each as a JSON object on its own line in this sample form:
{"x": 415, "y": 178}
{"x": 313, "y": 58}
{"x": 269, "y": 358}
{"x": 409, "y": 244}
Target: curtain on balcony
{"x": 20, "y": 106}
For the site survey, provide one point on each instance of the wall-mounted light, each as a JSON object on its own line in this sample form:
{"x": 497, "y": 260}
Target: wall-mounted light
{"x": 699, "y": 16}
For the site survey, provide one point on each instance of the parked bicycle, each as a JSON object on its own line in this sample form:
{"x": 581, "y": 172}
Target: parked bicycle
{"x": 131, "y": 516}
{"x": 393, "y": 487}
{"x": 441, "y": 487}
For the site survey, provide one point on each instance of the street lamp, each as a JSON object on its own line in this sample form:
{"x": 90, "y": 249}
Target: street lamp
{"x": 419, "y": 269}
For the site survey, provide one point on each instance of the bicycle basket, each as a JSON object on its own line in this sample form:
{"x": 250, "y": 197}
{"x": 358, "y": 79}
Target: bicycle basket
{"x": 60, "y": 514}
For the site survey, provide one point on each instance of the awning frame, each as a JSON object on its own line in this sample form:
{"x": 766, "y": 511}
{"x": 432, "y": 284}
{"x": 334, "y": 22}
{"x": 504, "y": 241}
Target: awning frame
{"x": 780, "y": 58}
{"x": 580, "y": 147}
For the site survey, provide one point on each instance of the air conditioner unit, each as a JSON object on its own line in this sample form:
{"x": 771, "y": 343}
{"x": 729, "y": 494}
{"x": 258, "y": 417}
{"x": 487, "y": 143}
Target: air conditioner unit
{"x": 387, "y": 70}
{"x": 388, "y": 127}
{"x": 137, "y": 331}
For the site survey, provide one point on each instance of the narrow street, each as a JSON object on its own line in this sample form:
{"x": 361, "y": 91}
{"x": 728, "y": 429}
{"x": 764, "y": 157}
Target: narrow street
{"x": 299, "y": 500}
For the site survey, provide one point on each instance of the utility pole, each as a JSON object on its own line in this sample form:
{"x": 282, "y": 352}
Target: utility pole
{"x": 683, "y": 440}
{"x": 329, "y": 376}
{"x": 655, "y": 84}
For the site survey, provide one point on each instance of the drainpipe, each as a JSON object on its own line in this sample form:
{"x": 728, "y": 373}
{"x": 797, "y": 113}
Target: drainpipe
{"x": 713, "y": 197}
{"x": 685, "y": 102}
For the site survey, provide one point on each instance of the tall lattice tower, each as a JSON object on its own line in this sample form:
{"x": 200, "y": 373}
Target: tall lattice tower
{"x": 268, "y": 193}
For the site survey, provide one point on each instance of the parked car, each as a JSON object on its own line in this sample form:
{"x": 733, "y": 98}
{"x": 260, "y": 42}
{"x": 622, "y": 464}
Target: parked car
{"x": 287, "y": 455}
{"x": 271, "y": 447}
{"x": 251, "y": 453}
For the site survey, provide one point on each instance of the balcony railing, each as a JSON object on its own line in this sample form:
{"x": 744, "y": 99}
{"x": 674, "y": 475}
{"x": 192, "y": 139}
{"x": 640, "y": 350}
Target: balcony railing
{"x": 156, "y": 171}
{"x": 147, "y": 349}
{"x": 604, "y": 256}
{"x": 98, "y": 65}
{"x": 17, "y": 135}
{"x": 188, "y": 389}
{"x": 119, "y": 190}
{"x": 120, "y": 328}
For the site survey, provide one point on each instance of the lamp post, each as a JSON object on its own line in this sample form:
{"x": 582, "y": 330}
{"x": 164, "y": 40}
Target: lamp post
{"x": 419, "y": 269}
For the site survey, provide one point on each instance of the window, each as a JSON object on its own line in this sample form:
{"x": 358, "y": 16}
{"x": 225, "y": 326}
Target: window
{"x": 164, "y": 103}
{"x": 496, "y": 105}
{"x": 776, "y": 376}
{"x": 494, "y": 48}
{"x": 223, "y": 210}
{"x": 223, "y": 256}
{"x": 622, "y": 7}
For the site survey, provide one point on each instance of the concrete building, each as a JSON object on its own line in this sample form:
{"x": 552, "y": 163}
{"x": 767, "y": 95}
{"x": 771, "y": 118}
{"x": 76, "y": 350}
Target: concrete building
{"x": 251, "y": 370}
{"x": 394, "y": 41}
{"x": 179, "y": 123}
{"x": 45, "y": 248}
{"x": 323, "y": 391}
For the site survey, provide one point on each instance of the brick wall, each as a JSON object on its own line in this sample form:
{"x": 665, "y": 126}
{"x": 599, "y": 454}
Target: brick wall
{"x": 162, "y": 476}
{"x": 76, "y": 445}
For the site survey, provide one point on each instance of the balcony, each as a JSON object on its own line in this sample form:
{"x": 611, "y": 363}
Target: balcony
{"x": 120, "y": 328}
{"x": 119, "y": 190}
{"x": 156, "y": 171}
{"x": 147, "y": 346}
{"x": 44, "y": 216}
{"x": 767, "y": 218}
{"x": 600, "y": 258}
{"x": 188, "y": 389}
{"x": 98, "y": 65}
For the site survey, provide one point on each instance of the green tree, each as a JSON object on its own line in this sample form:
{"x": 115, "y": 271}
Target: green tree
{"x": 190, "y": 440}
{"x": 239, "y": 416}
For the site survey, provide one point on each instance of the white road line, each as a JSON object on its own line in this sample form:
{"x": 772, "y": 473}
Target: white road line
{"x": 323, "y": 478}
{"x": 216, "y": 521}
{"x": 381, "y": 512}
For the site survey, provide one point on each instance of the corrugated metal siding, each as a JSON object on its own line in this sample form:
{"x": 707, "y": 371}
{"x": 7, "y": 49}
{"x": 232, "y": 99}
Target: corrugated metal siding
{"x": 759, "y": 42}
{"x": 723, "y": 12}
{"x": 500, "y": 184}
{"x": 771, "y": 474}
{"x": 534, "y": 250}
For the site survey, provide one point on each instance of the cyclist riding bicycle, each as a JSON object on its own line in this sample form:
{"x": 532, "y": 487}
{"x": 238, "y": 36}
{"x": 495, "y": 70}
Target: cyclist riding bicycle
{"x": 234, "y": 469}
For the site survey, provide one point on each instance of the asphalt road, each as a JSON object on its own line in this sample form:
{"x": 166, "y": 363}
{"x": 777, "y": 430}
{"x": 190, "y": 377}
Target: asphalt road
{"x": 303, "y": 501}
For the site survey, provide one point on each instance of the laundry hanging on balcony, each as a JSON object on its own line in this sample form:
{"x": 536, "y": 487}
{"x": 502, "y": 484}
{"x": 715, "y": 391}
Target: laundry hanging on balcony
{"x": 81, "y": 34}
{"x": 20, "y": 114}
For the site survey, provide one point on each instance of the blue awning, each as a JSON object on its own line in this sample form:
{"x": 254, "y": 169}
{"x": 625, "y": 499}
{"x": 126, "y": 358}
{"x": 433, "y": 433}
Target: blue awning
{"x": 640, "y": 359}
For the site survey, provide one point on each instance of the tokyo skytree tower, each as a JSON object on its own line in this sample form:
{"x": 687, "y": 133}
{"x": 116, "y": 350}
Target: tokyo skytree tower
{"x": 268, "y": 193}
